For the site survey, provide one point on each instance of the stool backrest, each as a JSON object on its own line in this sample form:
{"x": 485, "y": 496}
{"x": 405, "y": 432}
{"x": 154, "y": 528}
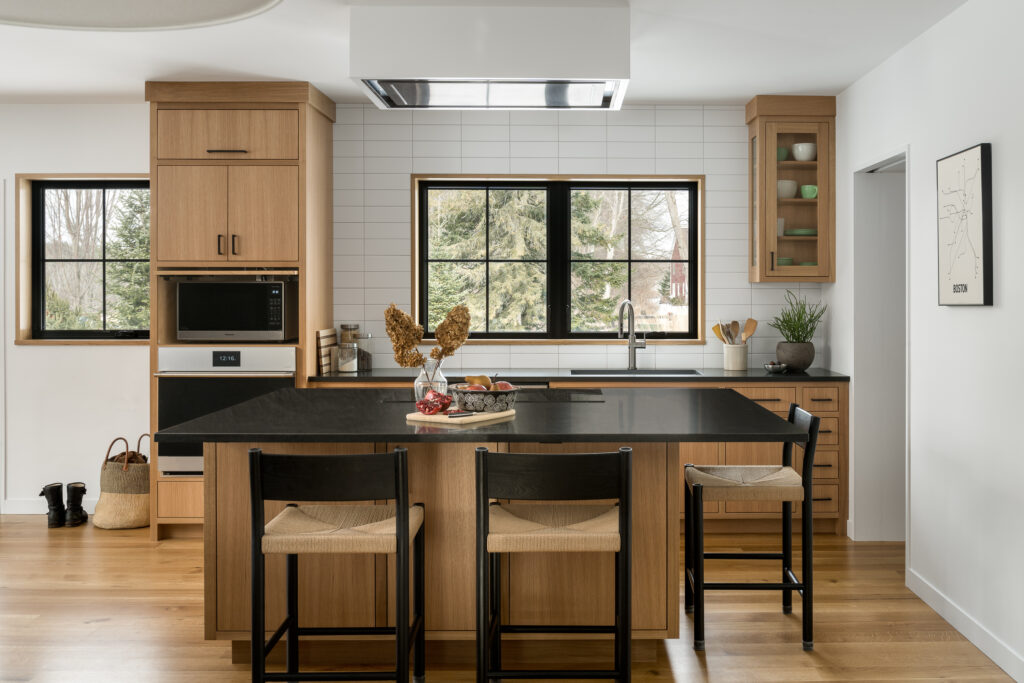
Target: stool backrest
{"x": 810, "y": 424}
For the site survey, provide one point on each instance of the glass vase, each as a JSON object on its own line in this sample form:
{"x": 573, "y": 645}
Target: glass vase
{"x": 430, "y": 378}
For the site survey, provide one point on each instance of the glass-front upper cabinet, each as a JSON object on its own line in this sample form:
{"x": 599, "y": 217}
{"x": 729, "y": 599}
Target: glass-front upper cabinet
{"x": 792, "y": 188}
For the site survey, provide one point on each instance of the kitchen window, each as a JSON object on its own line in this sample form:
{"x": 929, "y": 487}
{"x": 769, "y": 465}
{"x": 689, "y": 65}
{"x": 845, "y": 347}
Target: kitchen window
{"x": 553, "y": 259}
{"x": 90, "y": 259}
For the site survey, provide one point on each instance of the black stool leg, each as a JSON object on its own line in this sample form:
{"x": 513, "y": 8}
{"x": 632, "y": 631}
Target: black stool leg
{"x": 697, "y": 551}
{"x": 807, "y": 552}
{"x": 292, "y": 653}
{"x": 258, "y": 618}
{"x": 402, "y": 613}
{"x": 483, "y": 597}
{"x": 419, "y": 602}
{"x": 495, "y": 610}
{"x": 787, "y": 554}
{"x": 624, "y": 611}
{"x": 687, "y": 547}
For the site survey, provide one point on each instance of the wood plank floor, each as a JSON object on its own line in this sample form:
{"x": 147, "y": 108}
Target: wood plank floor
{"x": 83, "y": 605}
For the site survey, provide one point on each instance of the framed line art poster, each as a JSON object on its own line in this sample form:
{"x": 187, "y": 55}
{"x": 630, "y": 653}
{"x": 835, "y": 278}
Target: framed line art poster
{"x": 964, "y": 189}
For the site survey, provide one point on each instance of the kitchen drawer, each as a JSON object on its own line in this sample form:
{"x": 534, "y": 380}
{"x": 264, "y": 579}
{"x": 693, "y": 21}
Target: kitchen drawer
{"x": 828, "y": 432}
{"x": 826, "y": 503}
{"x": 179, "y": 499}
{"x": 820, "y": 400}
{"x": 826, "y": 463}
{"x": 239, "y": 134}
{"x": 773, "y": 398}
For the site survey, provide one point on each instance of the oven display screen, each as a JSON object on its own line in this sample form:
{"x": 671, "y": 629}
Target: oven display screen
{"x": 227, "y": 359}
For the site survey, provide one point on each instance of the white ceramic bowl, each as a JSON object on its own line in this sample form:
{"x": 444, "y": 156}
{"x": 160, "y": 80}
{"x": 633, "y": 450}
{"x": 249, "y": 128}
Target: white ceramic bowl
{"x": 805, "y": 151}
{"x": 787, "y": 189}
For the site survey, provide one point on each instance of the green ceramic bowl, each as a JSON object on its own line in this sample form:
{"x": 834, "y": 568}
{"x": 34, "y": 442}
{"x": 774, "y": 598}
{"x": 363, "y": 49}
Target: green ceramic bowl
{"x": 784, "y": 261}
{"x": 783, "y": 153}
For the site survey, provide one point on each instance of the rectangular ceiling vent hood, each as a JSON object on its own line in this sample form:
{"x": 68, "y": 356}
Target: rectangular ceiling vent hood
{"x": 482, "y": 55}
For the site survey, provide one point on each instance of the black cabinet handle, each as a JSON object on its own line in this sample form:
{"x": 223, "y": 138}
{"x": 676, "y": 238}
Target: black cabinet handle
{"x": 773, "y": 260}
{"x": 220, "y": 245}
{"x": 824, "y": 431}
{"x": 823, "y": 465}
{"x": 816, "y": 500}
{"x": 766, "y": 400}
{"x": 822, "y": 400}
{"x": 227, "y": 151}
{"x": 234, "y": 245}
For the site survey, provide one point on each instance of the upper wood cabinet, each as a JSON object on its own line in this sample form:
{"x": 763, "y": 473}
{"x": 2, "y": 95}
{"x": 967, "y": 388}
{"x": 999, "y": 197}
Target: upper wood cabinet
{"x": 792, "y": 188}
{"x": 238, "y": 134}
{"x": 228, "y": 213}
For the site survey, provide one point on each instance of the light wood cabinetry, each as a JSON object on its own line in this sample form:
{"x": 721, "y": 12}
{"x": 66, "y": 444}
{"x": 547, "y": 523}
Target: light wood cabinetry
{"x": 792, "y": 233}
{"x": 241, "y": 179}
{"x": 358, "y": 590}
{"x": 238, "y": 134}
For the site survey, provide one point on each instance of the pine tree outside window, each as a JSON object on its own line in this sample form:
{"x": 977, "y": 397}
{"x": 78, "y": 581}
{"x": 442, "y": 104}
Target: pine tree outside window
{"x": 90, "y": 259}
{"x": 553, "y": 259}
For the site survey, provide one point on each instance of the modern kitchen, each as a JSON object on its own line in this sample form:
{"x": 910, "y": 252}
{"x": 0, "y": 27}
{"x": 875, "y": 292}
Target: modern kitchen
{"x": 482, "y": 340}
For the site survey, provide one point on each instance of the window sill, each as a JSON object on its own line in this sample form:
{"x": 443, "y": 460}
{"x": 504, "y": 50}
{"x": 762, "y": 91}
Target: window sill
{"x": 81, "y": 342}
{"x": 581, "y": 342}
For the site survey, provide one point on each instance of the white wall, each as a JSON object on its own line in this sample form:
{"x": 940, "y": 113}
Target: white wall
{"x": 953, "y": 87}
{"x": 64, "y": 404}
{"x": 375, "y": 151}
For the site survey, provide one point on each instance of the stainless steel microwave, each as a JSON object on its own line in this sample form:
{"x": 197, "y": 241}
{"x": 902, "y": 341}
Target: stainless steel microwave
{"x": 238, "y": 311}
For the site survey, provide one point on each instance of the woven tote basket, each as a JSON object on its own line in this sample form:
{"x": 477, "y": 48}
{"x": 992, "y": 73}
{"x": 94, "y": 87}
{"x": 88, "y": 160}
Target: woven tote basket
{"x": 124, "y": 489}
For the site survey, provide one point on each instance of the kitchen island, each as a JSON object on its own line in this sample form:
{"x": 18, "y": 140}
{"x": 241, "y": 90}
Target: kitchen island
{"x": 538, "y": 588}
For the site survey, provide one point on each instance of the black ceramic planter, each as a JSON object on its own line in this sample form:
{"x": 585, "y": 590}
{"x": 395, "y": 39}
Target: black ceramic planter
{"x": 798, "y": 356}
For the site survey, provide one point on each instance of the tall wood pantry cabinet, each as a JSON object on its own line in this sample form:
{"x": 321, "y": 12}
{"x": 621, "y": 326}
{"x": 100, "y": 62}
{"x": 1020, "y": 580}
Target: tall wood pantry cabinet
{"x": 792, "y": 188}
{"x": 241, "y": 186}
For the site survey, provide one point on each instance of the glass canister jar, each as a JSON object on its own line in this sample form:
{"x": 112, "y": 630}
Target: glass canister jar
{"x": 348, "y": 333}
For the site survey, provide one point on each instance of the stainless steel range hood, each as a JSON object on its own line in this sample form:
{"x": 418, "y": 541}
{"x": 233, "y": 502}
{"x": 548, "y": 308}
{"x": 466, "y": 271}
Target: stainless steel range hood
{"x": 482, "y": 55}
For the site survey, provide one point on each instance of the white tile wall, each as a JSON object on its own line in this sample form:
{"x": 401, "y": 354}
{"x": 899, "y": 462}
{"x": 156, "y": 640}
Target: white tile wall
{"x": 375, "y": 151}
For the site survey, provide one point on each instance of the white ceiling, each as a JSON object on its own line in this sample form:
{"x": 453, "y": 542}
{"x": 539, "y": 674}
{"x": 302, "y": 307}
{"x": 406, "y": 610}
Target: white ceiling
{"x": 710, "y": 51}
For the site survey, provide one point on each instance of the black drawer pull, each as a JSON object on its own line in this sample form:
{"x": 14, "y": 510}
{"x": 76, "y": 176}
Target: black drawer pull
{"x": 821, "y": 399}
{"x": 234, "y": 245}
{"x": 821, "y": 499}
{"x": 220, "y": 245}
{"x": 766, "y": 400}
{"x": 824, "y": 431}
{"x": 227, "y": 151}
{"x": 816, "y": 465}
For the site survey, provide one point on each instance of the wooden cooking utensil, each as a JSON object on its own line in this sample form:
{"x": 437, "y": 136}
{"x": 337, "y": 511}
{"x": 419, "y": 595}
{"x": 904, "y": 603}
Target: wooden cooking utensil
{"x": 734, "y": 328}
{"x": 717, "y": 329}
{"x": 748, "y": 329}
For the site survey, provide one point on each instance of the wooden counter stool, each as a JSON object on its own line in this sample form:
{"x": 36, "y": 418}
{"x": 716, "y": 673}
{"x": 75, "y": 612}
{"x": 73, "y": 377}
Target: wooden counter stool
{"x": 754, "y": 483}
{"x": 552, "y": 527}
{"x": 332, "y": 529}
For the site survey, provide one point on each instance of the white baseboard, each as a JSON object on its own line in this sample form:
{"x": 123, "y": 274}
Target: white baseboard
{"x": 37, "y": 505}
{"x": 1008, "y": 659}
{"x": 849, "y": 530}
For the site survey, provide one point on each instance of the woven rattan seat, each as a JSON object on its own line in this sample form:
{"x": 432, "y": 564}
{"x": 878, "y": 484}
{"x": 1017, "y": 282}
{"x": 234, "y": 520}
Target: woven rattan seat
{"x": 747, "y": 482}
{"x": 540, "y": 528}
{"x": 337, "y": 529}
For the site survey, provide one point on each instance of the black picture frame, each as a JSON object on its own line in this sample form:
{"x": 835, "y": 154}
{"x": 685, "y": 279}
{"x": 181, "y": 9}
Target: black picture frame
{"x": 963, "y": 186}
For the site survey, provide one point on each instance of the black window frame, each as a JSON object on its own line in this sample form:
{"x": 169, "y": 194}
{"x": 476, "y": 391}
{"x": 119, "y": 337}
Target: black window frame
{"x": 559, "y": 261}
{"x": 38, "y": 302}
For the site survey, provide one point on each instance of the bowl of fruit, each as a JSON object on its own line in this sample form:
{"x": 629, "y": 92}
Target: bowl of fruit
{"x": 480, "y": 395}
{"x": 775, "y": 367}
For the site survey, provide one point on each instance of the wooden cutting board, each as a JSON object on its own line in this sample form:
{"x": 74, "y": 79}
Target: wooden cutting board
{"x": 468, "y": 419}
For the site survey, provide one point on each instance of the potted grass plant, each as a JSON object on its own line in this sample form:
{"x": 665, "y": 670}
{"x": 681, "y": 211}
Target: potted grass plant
{"x": 797, "y": 322}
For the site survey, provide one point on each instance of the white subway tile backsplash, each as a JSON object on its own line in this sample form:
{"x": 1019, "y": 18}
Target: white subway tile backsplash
{"x": 533, "y": 149}
{"x": 485, "y": 132}
{"x": 375, "y": 151}
{"x": 446, "y": 132}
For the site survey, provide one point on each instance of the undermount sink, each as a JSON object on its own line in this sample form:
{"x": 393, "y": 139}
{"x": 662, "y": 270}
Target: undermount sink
{"x": 662, "y": 373}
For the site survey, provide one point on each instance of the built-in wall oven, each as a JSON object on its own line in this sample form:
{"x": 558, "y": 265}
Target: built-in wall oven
{"x": 197, "y": 380}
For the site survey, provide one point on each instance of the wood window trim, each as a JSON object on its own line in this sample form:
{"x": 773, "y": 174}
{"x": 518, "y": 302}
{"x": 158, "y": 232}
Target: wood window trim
{"x": 417, "y": 178}
{"x": 23, "y": 259}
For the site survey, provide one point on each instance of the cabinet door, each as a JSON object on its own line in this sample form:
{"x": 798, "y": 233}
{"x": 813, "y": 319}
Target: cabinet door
{"x": 797, "y": 227}
{"x": 228, "y": 134}
{"x": 192, "y": 213}
{"x": 263, "y": 213}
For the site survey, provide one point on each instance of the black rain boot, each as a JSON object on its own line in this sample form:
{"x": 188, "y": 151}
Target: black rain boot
{"x": 54, "y": 498}
{"x": 76, "y": 513}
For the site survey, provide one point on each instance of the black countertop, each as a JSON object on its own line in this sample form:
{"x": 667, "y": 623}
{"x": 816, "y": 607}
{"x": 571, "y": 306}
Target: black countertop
{"x": 526, "y": 376}
{"x": 609, "y": 415}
